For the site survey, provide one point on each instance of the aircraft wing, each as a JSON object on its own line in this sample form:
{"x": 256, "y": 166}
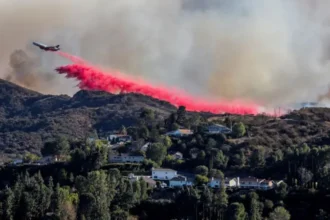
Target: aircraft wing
{"x": 39, "y": 44}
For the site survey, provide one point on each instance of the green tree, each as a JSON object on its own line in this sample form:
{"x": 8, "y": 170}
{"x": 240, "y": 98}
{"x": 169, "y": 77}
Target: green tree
{"x": 8, "y": 204}
{"x": 157, "y": 152}
{"x": 211, "y": 143}
{"x": 255, "y": 212}
{"x": 200, "y": 179}
{"x": 216, "y": 174}
{"x": 29, "y": 158}
{"x": 137, "y": 191}
{"x": 281, "y": 191}
{"x": 221, "y": 200}
{"x": 57, "y": 147}
{"x": 269, "y": 205}
{"x": 201, "y": 155}
{"x": 258, "y": 157}
{"x": 87, "y": 203}
{"x": 143, "y": 186}
{"x": 181, "y": 113}
{"x": 239, "y": 130}
{"x": 97, "y": 184}
{"x": 201, "y": 170}
{"x": 167, "y": 141}
{"x": 144, "y": 132}
{"x": 279, "y": 213}
{"x": 236, "y": 211}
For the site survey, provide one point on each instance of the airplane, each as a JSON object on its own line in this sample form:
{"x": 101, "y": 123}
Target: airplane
{"x": 47, "y": 48}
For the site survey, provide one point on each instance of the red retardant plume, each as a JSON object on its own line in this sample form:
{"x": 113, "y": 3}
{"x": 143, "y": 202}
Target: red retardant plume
{"x": 92, "y": 78}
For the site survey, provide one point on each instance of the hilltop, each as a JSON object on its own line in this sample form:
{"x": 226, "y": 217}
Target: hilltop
{"x": 28, "y": 118}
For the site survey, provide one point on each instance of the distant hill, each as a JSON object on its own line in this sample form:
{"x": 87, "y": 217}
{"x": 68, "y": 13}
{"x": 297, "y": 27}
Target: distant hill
{"x": 28, "y": 118}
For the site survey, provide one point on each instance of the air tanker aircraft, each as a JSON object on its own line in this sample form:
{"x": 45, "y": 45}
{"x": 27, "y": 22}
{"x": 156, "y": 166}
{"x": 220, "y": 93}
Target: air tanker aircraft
{"x": 47, "y": 48}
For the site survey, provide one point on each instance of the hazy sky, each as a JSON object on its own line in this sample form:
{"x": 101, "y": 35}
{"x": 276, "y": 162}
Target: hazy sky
{"x": 270, "y": 51}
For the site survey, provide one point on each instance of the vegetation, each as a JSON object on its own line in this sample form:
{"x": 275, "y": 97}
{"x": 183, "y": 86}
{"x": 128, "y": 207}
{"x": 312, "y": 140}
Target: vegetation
{"x": 83, "y": 185}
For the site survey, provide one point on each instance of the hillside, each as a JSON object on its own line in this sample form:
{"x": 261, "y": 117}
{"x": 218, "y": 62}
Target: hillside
{"x": 28, "y": 118}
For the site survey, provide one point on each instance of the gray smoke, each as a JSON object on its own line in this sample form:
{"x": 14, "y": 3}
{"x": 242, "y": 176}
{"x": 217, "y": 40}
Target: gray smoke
{"x": 273, "y": 52}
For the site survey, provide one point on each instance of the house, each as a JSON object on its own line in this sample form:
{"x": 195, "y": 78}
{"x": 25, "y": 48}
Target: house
{"x": 266, "y": 184}
{"x": 115, "y": 138}
{"x": 150, "y": 182}
{"x": 125, "y": 158}
{"x": 163, "y": 173}
{"x": 214, "y": 183}
{"x": 229, "y": 182}
{"x": 179, "y": 181}
{"x": 250, "y": 182}
{"x": 180, "y": 133}
{"x": 47, "y": 160}
{"x": 144, "y": 148}
{"x": 232, "y": 182}
{"x": 17, "y": 161}
{"x": 218, "y": 129}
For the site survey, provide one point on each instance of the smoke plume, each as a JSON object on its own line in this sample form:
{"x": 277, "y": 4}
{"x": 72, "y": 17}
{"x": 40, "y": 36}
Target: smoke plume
{"x": 271, "y": 52}
{"x": 24, "y": 70}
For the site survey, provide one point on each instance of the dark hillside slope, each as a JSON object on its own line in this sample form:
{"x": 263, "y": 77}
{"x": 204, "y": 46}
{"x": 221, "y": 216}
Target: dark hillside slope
{"x": 28, "y": 118}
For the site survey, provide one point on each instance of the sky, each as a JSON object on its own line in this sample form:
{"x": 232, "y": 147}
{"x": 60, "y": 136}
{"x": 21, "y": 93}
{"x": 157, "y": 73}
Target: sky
{"x": 273, "y": 52}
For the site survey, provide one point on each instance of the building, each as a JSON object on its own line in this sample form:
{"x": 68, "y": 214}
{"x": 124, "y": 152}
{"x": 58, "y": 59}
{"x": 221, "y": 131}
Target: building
{"x": 115, "y": 138}
{"x": 47, "y": 160}
{"x": 250, "y": 182}
{"x": 163, "y": 173}
{"x": 214, "y": 183}
{"x": 144, "y": 148}
{"x": 125, "y": 158}
{"x": 229, "y": 182}
{"x": 17, "y": 161}
{"x": 218, "y": 129}
{"x": 179, "y": 181}
{"x": 180, "y": 133}
{"x": 150, "y": 182}
{"x": 266, "y": 184}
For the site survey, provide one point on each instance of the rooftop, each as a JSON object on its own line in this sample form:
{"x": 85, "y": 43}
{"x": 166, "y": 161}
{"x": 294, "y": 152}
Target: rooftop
{"x": 250, "y": 178}
{"x": 179, "y": 178}
{"x": 163, "y": 169}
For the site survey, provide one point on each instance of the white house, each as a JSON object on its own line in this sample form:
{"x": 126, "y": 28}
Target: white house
{"x": 179, "y": 181}
{"x": 250, "y": 182}
{"x": 232, "y": 182}
{"x": 125, "y": 158}
{"x": 180, "y": 133}
{"x": 229, "y": 182}
{"x": 218, "y": 129}
{"x": 163, "y": 173}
